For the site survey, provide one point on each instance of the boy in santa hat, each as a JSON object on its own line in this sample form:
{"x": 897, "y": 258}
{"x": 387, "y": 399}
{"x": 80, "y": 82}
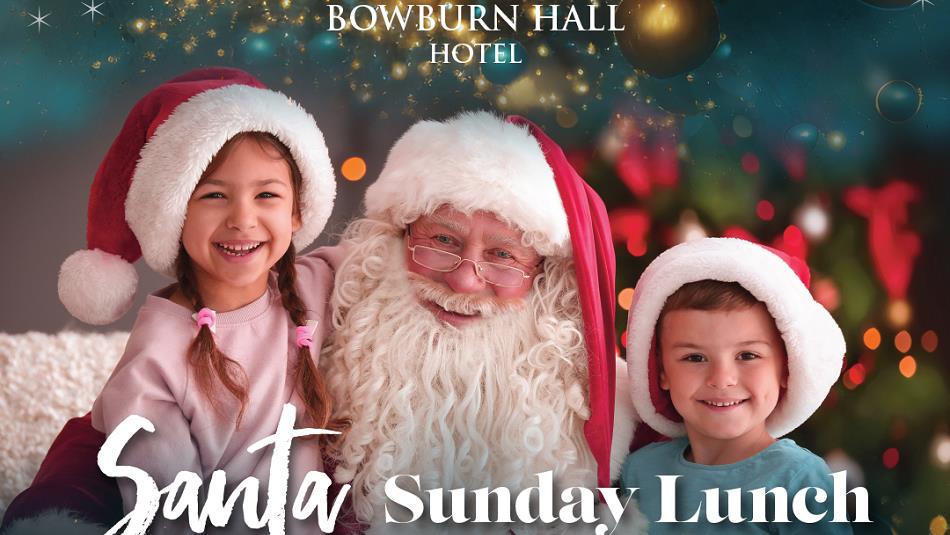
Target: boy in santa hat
{"x": 729, "y": 352}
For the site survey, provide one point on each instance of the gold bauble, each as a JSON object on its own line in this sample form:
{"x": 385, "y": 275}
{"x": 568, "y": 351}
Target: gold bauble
{"x": 667, "y": 37}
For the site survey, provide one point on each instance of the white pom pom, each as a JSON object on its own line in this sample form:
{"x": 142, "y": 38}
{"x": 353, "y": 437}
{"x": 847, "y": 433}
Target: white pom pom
{"x": 97, "y": 287}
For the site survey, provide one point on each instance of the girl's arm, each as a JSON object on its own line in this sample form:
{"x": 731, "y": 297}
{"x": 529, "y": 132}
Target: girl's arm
{"x": 153, "y": 387}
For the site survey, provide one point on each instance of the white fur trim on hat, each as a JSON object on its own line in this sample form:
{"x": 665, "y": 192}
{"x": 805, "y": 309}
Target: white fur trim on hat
{"x": 471, "y": 162}
{"x": 813, "y": 341}
{"x": 96, "y": 287}
{"x": 181, "y": 148}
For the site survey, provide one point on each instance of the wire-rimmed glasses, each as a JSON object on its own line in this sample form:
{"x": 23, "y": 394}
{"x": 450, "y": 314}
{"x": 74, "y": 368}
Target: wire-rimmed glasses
{"x": 445, "y": 262}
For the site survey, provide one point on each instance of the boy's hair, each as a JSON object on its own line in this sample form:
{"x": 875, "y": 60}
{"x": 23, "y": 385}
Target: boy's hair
{"x": 706, "y": 294}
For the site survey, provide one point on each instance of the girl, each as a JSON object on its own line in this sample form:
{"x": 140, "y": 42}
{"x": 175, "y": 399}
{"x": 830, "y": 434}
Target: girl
{"x": 230, "y": 178}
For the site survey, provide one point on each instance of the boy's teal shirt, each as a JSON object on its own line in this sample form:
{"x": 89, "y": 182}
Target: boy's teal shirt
{"x": 783, "y": 464}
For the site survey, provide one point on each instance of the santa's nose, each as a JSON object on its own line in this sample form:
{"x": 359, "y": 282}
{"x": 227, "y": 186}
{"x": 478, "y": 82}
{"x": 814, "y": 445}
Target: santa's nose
{"x": 464, "y": 279}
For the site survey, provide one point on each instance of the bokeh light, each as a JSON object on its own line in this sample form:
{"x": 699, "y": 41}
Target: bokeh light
{"x": 625, "y": 298}
{"x": 938, "y": 525}
{"x": 929, "y": 341}
{"x": 908, "y": 366}
{"x": 903, "y": 341}
{"x": 872, "y": 338}
{"x": 353, "y": 169}
{"x": 891, "y": 457}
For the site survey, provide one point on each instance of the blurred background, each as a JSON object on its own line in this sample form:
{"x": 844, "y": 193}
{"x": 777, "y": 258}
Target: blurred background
{"x": 816, "y": 127}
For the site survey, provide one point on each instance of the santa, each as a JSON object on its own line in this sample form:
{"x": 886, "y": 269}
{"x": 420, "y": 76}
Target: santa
{"x": 473, "y": 317}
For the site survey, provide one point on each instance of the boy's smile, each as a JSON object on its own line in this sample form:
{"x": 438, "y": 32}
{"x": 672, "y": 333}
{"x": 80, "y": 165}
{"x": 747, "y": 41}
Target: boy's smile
{"x": 724, "y": 370}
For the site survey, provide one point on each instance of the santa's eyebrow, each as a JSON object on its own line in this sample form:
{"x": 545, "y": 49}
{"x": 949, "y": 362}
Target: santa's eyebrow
{"x": 507, "y": 241}
{"x": 454, "y": 226}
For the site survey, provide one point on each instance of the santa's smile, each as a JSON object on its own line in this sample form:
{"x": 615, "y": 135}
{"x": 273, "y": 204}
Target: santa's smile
{"x": 456, "y": 319}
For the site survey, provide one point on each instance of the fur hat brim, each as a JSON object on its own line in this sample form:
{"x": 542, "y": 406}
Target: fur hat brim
{"x": 814, "y": 343}
{"x": 179, "y": 151}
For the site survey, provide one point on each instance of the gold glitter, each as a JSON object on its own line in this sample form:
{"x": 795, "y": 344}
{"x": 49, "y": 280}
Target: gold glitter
{"x": 211, "y": 33}
{"x": 220, "y": 52}
{"x": 190, "y": 45}
{"x": 139, "y": 25}
{"x": 149, "y": 55}
{"x": 399, "y": 71}
{"x": 288, "y": 80}
{"x": 96, "y": 65}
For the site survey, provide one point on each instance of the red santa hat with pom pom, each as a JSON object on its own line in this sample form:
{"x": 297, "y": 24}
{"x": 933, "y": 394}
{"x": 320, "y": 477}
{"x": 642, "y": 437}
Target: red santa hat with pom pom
{"x": 814, "y": 343}
{"x": 140, "y": 194}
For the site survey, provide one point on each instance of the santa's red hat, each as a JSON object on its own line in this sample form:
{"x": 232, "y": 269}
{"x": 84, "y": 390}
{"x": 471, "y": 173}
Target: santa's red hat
{"x": 814, "y": 343}
{"x": 509, "y": 167}
{"x": 140, "y": 193}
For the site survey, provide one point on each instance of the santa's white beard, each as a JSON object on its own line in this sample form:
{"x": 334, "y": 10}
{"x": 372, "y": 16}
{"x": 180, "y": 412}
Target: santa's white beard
{"x": 490, "y": 404}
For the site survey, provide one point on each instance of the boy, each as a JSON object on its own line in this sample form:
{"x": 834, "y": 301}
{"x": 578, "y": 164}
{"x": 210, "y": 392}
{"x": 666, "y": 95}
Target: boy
{"x": 728, "y": 348}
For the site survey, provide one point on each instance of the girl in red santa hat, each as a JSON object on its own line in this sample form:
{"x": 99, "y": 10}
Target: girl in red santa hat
{"x": 217, "y": 181}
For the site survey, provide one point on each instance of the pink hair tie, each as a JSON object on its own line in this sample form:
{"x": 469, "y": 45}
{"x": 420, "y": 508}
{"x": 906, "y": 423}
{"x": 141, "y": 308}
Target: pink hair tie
{"x": 205, "y": 316}
{"x": 305, "y": 334}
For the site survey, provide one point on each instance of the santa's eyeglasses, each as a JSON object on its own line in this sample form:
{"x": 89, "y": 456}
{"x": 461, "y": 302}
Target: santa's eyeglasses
{"x": 446, "y": 262}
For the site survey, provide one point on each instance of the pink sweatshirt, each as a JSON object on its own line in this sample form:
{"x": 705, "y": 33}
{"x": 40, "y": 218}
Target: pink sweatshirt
{"x": 152, "y": 379}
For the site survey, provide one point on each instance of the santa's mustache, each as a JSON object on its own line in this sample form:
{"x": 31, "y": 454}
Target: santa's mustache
{"x": 467, "y": 304}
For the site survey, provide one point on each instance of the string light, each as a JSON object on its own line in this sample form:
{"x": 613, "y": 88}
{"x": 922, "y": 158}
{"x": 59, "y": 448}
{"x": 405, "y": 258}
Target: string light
{"x": 625, "y": 298}
{"x": 902, "y": 341}
{"x": 899, "y": 312}
{"x": 872, "y": 338}
{"x": 908, "y": 366}
{"x": 929, "y": 341}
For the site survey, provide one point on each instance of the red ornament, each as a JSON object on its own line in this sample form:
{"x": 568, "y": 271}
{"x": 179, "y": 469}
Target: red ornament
{"x": 792, "y": 242}
{"x": 643, "y": 165}
{"x": 893, "y": 244}
{"x": 630, "y": 225}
